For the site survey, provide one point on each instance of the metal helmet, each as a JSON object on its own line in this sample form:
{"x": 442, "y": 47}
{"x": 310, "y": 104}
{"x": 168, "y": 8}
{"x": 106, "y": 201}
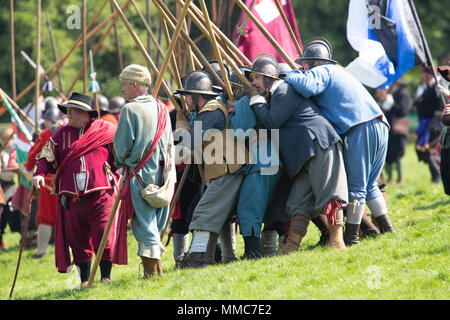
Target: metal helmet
{"x": 266, "y": 65}
{"x": 284, "y": 69}
{"x": 216, "y": 67}
{"x": 116, "y": 103}
{"x": 103, "y": 103}
{"x": 50, "y": 102}
{"x": 317, "y": 49}
{"x": 162, "y": 95}
{"x": 198, "y": 82}
{"x": 53, "y": 114}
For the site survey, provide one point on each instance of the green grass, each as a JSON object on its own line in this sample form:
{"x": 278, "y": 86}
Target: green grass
{"x": 411, "y": 264}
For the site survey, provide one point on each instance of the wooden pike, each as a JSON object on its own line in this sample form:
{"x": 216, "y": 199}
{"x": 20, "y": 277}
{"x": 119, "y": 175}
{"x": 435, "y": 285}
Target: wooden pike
{"x": 58, "y": 64}
{"x": 38, "y": 62}
{"x": 83, "y": 32}
{"x": 19, "y": 111}
{"x": 196, "y": 13}
{"x": 115, "y": 16}
{"x": 241, "y": 28}
{"x": 22, "y": 243}
{"x": 117, "y": 40}
{"x": 55, "y": 54}
{"x": 151, "y": 34}
{"x": 171, "y": 19}
{"x": 268, "y": 36}
{"x": 289, "y": 27}
{"x": 144, "y": 52}
{"x": 216, "y": 50}
{"x": 175, "y": 35}
{"x": 204, "y": 61}
{"x": 13, "y": 53}
{"x": 173, "y": 61}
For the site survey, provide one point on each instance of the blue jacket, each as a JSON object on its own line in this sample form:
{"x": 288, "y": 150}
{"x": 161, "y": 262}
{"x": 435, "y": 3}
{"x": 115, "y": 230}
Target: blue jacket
{"x": 299, "y": 121}
{"x": 338, "y": 94}
{"x": 243, "y": 117}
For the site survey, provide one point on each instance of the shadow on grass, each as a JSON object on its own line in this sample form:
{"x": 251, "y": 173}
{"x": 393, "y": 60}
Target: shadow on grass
{"x": 433, "y": 205}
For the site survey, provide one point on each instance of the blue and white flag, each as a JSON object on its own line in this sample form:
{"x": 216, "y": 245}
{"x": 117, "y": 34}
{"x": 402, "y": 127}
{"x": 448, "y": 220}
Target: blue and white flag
{"x": 387, "y": 38}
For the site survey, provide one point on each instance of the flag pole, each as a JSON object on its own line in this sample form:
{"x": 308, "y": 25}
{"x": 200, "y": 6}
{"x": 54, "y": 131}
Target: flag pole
{"x": 425, "y": 44}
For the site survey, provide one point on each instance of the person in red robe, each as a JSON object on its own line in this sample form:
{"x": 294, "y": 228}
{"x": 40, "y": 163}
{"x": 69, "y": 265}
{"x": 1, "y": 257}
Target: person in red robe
{"x": 80, "y": 153}
{"x": 46, "y": 215}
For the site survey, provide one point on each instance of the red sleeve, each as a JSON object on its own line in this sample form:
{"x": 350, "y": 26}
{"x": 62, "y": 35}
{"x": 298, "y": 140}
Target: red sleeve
{"x": 37, "y": 148}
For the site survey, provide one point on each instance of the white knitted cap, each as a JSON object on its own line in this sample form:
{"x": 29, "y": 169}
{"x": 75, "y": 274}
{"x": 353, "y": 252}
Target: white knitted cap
{"x": 136, "y": 73}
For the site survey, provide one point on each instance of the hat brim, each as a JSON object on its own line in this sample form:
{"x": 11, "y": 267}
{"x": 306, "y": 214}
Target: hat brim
{"x": 63, "y": 109}
{"x": 189, "y": 92}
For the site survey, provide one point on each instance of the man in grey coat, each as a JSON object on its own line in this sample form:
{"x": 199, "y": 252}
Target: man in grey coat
{"x": 310, "y": 149}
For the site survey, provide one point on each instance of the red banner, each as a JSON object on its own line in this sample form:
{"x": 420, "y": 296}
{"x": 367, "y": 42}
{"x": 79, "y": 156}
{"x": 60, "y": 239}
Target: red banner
{"x": 253, "y": 41}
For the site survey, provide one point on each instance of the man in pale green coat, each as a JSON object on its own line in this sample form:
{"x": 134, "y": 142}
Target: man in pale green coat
{"x": 135, "y": 133}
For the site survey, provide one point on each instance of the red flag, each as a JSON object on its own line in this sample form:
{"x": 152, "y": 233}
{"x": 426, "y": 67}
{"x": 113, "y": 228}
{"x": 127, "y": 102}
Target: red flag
{"x": 254, "y": 42}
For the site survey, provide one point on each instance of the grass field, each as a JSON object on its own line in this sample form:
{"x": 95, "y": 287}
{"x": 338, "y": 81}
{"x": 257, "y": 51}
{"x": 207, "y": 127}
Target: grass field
{"x": 411, "y": 264}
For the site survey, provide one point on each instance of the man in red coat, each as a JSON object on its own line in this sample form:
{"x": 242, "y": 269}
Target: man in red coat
{"x": 80, "y": 154}
{"x": 46, "y": 216}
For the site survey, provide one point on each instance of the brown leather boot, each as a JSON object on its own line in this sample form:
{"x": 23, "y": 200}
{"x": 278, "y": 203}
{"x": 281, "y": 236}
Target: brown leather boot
{"x": 336, "y": 238}
{"x": 297, "y": 231}
{"x": 367, "y": 228}
{"x": 384, "y": 223}
{"x": 160, "y": 269}
{"x": 150, "y": 267}
{"x": 351, "y": 234}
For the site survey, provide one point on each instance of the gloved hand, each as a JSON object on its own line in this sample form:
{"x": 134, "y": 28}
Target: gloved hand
{"x": 250, "y": 91}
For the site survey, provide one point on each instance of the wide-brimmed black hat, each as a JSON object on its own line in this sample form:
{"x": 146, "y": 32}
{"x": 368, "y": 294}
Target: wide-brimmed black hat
{"x": 79, "y": 101}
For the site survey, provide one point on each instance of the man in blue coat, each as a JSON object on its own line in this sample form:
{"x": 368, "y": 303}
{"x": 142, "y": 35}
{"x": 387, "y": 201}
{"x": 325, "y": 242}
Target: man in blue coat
{"x": 359, "y": 121}
{"x": 310, "y": 150}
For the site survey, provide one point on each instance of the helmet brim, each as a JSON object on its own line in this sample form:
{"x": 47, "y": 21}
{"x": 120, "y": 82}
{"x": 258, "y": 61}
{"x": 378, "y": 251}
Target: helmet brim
{"x": 189, "y": 92}
{"x": 299, "y": 60}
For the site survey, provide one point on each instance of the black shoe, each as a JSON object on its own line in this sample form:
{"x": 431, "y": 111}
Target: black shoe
{"x": 351, "y": 234}
{"x": 384, "y": 223}
{"x": 193, "y": 260}
{"x": 252, "y": 248}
